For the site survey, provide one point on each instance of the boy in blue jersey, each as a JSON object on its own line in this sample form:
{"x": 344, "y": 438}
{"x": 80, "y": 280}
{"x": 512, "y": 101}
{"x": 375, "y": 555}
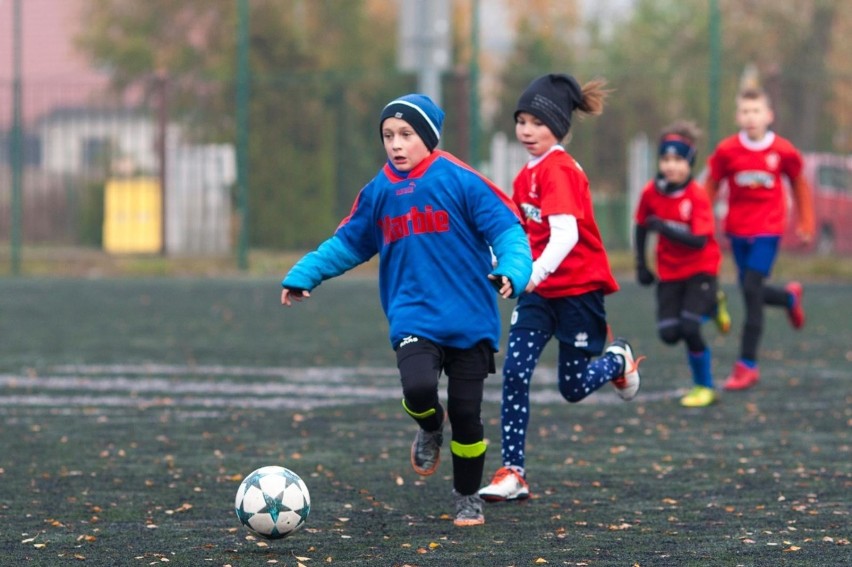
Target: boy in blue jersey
{"x": 434, "y": 221}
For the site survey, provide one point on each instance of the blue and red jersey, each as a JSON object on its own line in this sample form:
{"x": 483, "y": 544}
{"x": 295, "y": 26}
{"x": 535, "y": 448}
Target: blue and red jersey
{"x": 432, "y": 228}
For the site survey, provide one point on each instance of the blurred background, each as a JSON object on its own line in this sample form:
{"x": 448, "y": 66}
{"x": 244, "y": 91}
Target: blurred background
{"x": 211, "y": 128}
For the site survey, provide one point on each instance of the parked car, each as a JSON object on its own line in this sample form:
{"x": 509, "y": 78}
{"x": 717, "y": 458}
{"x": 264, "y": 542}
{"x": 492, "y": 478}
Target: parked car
{"x": 830, "y": 177}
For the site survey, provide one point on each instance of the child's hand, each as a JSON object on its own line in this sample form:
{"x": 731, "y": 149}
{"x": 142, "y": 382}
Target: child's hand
{"x": 294, "y": 294}
{"x": 804, "y": 235}
{"x": 644, "y": 276}
{"x": 501, "y": 284}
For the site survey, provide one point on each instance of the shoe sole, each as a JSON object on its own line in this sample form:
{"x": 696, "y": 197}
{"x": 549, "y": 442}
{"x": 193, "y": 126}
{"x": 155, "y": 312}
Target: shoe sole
{"x": 691, "y": 405}
{"x": 424, "y": 472}
{"x": 493, "y": 499}
{"x": 737, "y": 387}
{"x": 469, "y": 522}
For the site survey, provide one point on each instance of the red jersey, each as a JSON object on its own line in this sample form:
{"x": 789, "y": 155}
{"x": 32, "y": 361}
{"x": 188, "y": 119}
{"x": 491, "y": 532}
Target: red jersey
{"x": 554, "y": 184}
{"x": 690, "y": 208}
{"x": 757, "y": 204}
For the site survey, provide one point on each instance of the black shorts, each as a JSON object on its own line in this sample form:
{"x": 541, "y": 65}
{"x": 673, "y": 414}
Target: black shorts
{"x": 695, "y": 295}
{"x": 474, "y": 363}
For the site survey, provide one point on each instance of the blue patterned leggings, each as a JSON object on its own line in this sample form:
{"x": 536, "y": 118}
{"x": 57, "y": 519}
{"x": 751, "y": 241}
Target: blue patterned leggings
{"x": 578, "y": 377}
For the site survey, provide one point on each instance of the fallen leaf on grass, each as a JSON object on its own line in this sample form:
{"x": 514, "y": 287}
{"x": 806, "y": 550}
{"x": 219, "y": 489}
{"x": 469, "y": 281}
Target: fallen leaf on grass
{"x": 793, "y": 548}
{"x": 540, "y": 561}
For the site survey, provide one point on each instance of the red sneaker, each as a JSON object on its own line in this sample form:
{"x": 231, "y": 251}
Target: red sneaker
{"x": 742, "y": 377}
{"x": 796, "y": 312}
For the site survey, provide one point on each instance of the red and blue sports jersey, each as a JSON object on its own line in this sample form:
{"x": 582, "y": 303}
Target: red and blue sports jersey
{"x": 554, "y": 184}
{"x": 432, "y": 228}
{"x": 690, "y": 209}
{"x": 757, "y": 204}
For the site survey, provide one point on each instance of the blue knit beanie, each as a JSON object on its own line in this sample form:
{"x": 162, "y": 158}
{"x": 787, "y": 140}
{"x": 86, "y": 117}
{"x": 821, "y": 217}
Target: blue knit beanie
{"x": 418, "y": 110}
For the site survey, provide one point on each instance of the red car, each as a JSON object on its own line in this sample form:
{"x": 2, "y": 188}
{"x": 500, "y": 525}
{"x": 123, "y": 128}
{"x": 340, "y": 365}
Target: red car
{"x": 830, "y": 177}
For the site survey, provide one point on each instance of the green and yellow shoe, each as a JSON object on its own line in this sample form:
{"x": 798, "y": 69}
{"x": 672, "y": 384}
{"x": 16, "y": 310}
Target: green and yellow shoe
{"x": 699, "y": 397}
{"x": 722, "y": 318}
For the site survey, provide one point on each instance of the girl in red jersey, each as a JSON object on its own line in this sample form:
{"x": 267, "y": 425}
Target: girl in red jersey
{"x": 753, "y": 162}
{"x": 571, "y": 274}
{"x": 675, "y": 207}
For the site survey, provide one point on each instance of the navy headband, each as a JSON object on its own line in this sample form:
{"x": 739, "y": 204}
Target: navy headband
{"x": 672, "y": 144}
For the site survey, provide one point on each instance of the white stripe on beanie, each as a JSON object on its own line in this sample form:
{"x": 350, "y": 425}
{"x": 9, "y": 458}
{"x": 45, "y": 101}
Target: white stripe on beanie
{"x": 420, "y": 111}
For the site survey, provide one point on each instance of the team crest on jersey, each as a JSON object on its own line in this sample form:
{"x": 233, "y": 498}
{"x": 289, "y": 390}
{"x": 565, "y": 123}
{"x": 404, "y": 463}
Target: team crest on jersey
{"x": 406, "y": 190}
{"x": 685, "y": 209}
{"x": 531, "y": 212}
{"x": 533, "y": 187}
{"x": 772, "y": 160}
{"x": 581, "y": 339}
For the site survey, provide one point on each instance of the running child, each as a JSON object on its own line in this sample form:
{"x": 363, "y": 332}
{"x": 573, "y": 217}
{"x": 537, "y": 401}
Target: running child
{"x": 434, "y": 222}
{"x": 753, "y": 162}
{"x": 675, "y": 206}
{"x": 571, "y": 274}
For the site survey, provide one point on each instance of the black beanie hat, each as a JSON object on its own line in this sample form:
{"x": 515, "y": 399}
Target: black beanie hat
{"x": 418, "y": 110}
{"x": 552, "y": 98}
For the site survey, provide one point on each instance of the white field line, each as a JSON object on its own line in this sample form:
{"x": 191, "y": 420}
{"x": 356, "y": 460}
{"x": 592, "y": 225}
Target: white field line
{"x": 144, "y": 386}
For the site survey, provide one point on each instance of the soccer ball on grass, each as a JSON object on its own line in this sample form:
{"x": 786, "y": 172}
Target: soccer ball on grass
{"x": 273, "y": 502}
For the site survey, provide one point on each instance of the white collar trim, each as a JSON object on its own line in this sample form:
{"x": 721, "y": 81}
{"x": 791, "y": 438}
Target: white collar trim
{"x": 534, "y": 161}
{"x": 757, "y": 145}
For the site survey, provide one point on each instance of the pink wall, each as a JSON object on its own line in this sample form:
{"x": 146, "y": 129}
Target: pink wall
{"x": 53, "y": 72}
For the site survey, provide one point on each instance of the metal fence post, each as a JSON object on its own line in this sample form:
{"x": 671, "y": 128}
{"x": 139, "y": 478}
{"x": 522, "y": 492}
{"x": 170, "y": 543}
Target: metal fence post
{"x": 242, "y": 126}
{"x": 16, "y": 150}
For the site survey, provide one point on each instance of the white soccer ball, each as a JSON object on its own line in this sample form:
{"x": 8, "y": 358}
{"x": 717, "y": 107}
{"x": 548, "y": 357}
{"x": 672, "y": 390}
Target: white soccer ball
{"x": 273, "y": 502}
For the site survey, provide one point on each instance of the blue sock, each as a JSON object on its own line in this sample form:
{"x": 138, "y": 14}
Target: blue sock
{"x": 749, "y": 363}
{"x": 699, "y": 362}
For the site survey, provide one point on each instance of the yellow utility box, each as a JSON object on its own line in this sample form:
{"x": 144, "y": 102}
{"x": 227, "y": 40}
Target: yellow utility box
{"x": 133, "y": 215}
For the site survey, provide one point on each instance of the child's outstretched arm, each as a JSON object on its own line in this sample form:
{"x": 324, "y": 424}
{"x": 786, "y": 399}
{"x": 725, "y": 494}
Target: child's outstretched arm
{"x": 677, "y": 232}
{"x": 514, "y": 258}
{"x": 711, "y": 187}
{"x": 805, "y": 226}
{"x": 330, "y": 259}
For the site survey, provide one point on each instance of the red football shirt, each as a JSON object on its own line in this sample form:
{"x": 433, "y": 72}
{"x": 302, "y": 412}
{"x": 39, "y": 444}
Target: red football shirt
{"x": 690, "y": 208}
{"x": 556, "y": 185}
{"x": 757, "y": 204}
